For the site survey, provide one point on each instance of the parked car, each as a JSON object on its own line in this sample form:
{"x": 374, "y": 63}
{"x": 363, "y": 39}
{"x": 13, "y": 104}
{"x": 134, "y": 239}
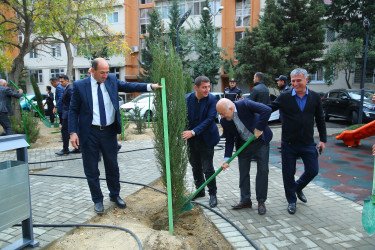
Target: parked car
{"x": 26, "y": 106}
{"x": 218, "y": 95}
{"x": 142, "y": 101}
{"x": 275, "y": 116}
{"x": 344, "y": 104}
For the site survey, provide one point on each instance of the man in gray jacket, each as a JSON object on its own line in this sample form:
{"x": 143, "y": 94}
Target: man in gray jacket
{"x": 260, "y": 92}
{"x": 6, "y": 106}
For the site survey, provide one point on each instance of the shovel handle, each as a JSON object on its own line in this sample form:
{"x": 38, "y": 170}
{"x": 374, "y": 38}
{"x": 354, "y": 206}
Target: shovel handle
{"x": 37, "y": 110}
{"x": 221, "y": 168}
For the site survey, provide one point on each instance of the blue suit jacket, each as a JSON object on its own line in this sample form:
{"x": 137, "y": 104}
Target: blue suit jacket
{"x": 58, "y": 97}
{"x": 253, "y": 115}
{"x": 207, "y": 114}
{"x": 65, "y": 101}
{"x": 81, "y": 106}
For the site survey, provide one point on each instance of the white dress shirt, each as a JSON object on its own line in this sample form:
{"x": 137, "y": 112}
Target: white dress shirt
{"x": 109, "y": 109}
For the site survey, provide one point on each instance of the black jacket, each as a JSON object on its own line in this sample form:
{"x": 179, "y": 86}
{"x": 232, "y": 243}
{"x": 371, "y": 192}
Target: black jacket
{"x": 260, "y": 93}
{"x": 297, "y": 125}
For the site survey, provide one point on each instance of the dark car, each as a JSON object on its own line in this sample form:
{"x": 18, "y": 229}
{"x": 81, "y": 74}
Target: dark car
{"x": 344, "y": 104}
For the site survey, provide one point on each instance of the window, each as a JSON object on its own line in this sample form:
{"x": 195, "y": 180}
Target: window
{"x": 370, "y": 74}
{"x": 83, "y": 73}
{"x": 37, "y": 75}
{"x": 243, "y": 10}
{"x": 113, "y": 18}
{"x": 239, "y": 35}
{"x": 33, "y": 53}
{"x": 317, "y": 77}
{"x": 330, "y": 35}
{"x": 196, "y": 6}
{"x": 20, "y": 38}
{"x": 144, "y": 20}
{"x": 56, "y": 50}
{"x": 145, "y": 1}
{"x": 56, "y": 72}
{"x": 115, "y": 71}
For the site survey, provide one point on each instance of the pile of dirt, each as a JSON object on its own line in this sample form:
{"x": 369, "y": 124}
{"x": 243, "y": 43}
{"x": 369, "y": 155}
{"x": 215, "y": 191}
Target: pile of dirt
{"x": 146, "y": 210}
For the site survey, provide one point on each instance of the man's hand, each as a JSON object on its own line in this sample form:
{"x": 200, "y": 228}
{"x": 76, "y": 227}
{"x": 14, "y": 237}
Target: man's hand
{"x": 373, "y": 98}
{"x": 20, "y": 91}
{"x": 156, "y": 86}
{"x": 225, "y": 165}
{"x": 257, "y": 133}
{"x": 74, "y": 140}
{"x": 187, "y": 135}
{"x": 54, "y": 110}
{"x": 321, "y": 147}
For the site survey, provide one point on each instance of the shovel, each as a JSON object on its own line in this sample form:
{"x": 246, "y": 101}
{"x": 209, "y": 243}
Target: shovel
{"x": 44, "y": 120}
{"x": 56, "y": 124}
{"x": 368, "y": 213}
{"x": 188, "y": 205}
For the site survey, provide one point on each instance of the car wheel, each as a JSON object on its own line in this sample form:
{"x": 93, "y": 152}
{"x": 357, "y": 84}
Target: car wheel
{"x": 354, "y": 117}
{"x": 326, "y": 116}
{"x": 146, "y": 115}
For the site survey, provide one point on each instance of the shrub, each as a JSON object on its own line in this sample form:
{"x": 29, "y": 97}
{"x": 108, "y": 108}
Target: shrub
{"x": 139, "y": 120}
{"x": 31, "y": 126}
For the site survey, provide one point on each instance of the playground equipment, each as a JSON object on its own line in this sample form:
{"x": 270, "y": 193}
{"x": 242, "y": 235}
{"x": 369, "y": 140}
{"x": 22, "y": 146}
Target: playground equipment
{"x": 353, "y": 137}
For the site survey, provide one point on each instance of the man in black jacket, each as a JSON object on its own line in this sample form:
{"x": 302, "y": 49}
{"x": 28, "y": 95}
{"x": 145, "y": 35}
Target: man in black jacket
{"x": 299, "y": 108}
{"x": 260, "y": 92}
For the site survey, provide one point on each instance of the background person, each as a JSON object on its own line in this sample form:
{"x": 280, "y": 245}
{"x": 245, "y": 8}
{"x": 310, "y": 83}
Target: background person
{"x": 202, "y": 135}
{"x": 232, "y": 92}
{"x": 58, "y": 96}
{"x": 65, "y": 100}
{"x": 260, "y": 92}
{"x": 242, "y": 120}
{"x": 94, "y": 111}
{"x": 282, "y": 83}
{"x": 299, "y": 108}
{"x": 6, "y": 106}
{"x": 50, "y": 105}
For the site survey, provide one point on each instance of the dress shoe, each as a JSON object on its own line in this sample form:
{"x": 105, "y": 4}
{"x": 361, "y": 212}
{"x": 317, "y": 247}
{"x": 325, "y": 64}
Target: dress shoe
{"x": 118, "y": 147}
{"x": 261, "y": 208}
{"x": 200, "y": 194}
{"x": 99, "y": 208}
{"x": 63, "y": 152}
{"x": 119, "y": 202}
{"x": 301, "y": 196}
{"x": 292, "y": 208}
{"x": 75, "y": 151}
{"x": 241, "y": 204}
{"x": 213, "y": 200}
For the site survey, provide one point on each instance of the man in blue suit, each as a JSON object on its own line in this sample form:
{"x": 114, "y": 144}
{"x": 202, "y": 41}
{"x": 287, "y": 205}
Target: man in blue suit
{"x": 58, "y": 96}
{"x": 65, "y": 101}
{"x": 94, "y": 112}
{"x": 242, "y": 120}
{"x": 202, "y": 135}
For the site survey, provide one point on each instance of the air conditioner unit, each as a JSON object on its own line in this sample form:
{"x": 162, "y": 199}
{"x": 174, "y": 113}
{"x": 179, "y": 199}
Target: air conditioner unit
{"x": 134, "y": 49}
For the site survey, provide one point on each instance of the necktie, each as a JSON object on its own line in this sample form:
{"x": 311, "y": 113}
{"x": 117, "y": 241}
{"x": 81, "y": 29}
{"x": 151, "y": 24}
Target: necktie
{"x": 103, "y": 120}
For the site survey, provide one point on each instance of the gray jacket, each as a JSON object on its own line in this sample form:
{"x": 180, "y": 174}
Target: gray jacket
{"x": 260, "y": 93}
{"x": 5, "y": 99}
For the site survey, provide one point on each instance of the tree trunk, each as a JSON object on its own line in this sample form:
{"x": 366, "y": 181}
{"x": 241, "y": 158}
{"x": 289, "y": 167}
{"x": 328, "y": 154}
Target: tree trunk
{"x": 69, "y": 52}
{"x": 347, "y": 78}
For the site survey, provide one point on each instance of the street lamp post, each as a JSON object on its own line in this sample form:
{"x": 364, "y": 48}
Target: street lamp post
{"x": 182, "y": 20}
{"x": 217, "y": 12}
{"x": 366, "y": 25}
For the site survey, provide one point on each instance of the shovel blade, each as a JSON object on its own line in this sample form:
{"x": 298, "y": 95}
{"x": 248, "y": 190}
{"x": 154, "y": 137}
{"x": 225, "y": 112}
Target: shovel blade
{"x": 368, "y": 217}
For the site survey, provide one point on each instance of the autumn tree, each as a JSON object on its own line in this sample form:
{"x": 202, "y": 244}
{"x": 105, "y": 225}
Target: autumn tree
{"x": 81, "y": 23}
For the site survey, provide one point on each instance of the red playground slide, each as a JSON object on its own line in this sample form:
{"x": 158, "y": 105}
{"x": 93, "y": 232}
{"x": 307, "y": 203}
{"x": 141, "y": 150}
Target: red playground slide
{"x": 353, "y": 137}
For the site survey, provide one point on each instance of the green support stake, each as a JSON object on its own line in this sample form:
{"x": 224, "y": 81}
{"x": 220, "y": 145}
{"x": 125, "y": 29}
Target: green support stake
{"x": 149, "y": 106}
{"x": 167, "y": 162}
{"x": 122, "y": 125}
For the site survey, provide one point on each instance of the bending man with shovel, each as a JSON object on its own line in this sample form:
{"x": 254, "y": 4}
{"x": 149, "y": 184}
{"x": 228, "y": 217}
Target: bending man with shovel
{"x": 242, "y": 120}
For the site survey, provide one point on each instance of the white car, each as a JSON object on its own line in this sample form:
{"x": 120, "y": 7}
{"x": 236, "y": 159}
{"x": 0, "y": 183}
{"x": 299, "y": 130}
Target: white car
{"x": 144, "y": 101}
{"x": 275, "y": 116}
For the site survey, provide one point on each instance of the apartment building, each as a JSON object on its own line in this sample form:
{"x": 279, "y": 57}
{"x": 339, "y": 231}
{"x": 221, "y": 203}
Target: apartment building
{"x": 231, "y": 18}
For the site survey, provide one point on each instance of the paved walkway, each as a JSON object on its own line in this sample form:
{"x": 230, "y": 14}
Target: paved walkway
{"x": 327, "y": 221}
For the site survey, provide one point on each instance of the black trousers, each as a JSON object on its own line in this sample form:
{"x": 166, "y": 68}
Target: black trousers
{"x": 201, "y": 160}
{"x": 5, "y": 123}
{"x": 65, "y": 134}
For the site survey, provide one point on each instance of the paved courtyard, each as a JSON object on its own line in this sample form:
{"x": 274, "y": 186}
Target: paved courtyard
{"x": 327, "y": 221}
